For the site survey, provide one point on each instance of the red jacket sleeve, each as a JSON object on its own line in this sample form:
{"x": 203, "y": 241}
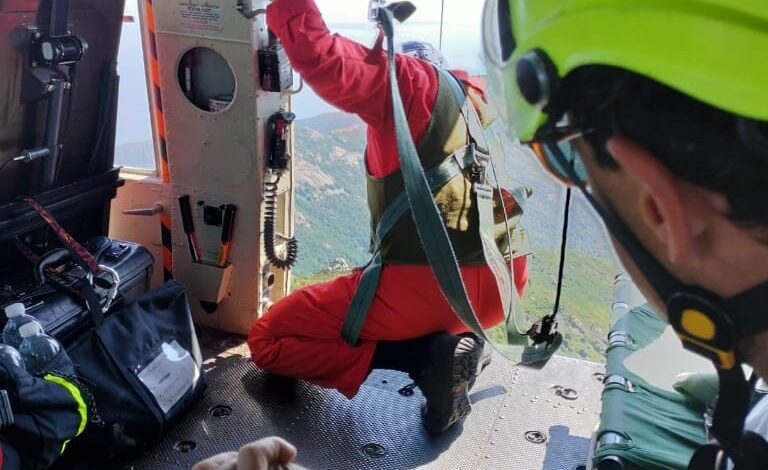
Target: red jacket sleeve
{"x": 353, "y": 77}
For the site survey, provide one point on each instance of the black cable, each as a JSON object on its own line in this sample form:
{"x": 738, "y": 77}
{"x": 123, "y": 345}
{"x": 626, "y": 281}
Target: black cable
{"x": 270, "y": 212}
{"x": 545, "y": 330}
{"x": 562, "y": 252}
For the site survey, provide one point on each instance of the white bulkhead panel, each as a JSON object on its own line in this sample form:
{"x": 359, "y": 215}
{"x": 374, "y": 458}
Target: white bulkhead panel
{"x": 214, "y": 114}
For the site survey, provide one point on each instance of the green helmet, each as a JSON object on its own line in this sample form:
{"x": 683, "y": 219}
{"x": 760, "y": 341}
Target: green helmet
{"x": 715, "y": 51}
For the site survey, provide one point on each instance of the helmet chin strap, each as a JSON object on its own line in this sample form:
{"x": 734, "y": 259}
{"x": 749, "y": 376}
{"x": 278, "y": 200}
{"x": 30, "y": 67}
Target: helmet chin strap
{"x": 706, "y": 323}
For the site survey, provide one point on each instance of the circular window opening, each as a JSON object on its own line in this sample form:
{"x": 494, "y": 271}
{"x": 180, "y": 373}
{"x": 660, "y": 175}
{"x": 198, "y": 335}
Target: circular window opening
{"x": 206, "y": 79}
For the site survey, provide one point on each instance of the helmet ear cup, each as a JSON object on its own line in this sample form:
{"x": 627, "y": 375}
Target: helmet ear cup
{"x": 537, "y": 78}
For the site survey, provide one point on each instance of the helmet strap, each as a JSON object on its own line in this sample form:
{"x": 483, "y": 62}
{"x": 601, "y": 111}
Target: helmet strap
{"x": 732, "y": 407}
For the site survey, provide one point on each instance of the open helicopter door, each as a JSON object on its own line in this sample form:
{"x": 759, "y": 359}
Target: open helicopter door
{"x": 204, "y": 211}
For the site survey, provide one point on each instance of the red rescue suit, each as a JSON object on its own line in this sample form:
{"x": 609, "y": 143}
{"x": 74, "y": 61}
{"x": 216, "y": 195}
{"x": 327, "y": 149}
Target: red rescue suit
{"x": 300, "y": 336}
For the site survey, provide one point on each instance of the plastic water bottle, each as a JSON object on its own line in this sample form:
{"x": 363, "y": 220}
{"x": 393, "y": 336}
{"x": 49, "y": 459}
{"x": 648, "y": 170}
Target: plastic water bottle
{"x": 17, "y": 317}
{"x": 37, "y": 348}
{"x": 9, "y": 355}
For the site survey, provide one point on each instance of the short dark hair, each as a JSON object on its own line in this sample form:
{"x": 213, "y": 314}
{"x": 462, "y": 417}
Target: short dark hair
{"x": 701, "y": 144}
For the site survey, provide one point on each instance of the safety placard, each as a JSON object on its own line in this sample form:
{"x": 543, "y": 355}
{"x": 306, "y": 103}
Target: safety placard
{"x": 170, "y": 374}
{"x": 200, "y": 17}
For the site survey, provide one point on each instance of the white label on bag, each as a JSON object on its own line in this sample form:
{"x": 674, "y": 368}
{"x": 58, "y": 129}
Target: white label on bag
{"x": 170, "y": 375}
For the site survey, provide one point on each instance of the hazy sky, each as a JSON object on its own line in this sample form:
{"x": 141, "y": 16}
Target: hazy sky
{"x": 460, "y": 41}
{"x": 427, "y": 10}
{"x": 456, "y": 13}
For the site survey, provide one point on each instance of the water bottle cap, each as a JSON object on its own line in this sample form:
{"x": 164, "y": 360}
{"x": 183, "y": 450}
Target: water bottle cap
{"x": 32, "y": 328}
{"x": 14, "y": 310}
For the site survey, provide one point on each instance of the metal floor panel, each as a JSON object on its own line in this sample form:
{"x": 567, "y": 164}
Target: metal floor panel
{"x": 381, "y": 429}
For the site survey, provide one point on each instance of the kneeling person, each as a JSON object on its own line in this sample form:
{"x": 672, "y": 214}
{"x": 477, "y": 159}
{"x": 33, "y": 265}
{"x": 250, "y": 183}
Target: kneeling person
{"x": 409, "y": 326}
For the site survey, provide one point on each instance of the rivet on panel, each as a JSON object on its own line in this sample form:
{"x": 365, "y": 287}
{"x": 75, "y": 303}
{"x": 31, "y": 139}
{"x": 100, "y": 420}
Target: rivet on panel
{"x": 536, "y": 437}
{"x": 374, "y": 451}
{"x": 185, "y": 446}
{"x": 220, "y": 411}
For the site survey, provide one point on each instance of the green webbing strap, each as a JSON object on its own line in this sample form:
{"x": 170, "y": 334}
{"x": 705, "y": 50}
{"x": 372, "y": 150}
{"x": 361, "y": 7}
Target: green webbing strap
{"x": 498, "y": 265}
{"x": 361, "y": 302}
{"x": 418, "y": 197}
{"x": 429, "y": 224}
{"x": 437, "y": 177}
{"x": 484, "y": 196}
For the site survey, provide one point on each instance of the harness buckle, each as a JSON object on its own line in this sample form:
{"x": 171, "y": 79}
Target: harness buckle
{"x": 544, "y": 330}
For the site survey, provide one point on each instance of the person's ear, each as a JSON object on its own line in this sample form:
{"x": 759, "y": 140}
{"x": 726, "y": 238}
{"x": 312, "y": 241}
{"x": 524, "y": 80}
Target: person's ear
{"x": 664, "y": 200}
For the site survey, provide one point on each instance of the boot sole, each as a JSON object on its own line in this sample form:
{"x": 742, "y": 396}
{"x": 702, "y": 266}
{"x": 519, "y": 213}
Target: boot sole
{"x": 485, "y": 361}
{"x": 466, "y": 357}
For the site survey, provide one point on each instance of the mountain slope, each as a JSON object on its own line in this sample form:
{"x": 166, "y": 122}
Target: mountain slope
{"x": 330, "y": 192}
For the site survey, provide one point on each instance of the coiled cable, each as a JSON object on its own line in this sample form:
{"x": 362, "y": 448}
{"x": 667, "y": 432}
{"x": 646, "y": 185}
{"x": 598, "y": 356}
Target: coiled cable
{"x": 270, "y": 212}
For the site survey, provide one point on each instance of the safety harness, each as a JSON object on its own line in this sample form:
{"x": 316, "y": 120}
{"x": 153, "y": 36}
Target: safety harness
{"x": 467, "y": 159}
{"x": 420, "y": 186}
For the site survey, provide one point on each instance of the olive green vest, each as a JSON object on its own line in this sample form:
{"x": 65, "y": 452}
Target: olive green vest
{"x": 446, "y": 135}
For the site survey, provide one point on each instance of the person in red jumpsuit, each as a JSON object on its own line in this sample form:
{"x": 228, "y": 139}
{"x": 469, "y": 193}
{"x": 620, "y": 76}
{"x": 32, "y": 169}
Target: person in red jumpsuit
{"x": 410, "y": 326}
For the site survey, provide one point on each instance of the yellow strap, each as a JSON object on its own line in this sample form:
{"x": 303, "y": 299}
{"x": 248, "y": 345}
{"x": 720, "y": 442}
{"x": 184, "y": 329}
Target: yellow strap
{"x": 82, "y": 409}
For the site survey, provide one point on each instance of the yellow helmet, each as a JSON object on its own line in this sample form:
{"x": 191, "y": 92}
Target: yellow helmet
{"x": 715, "y": 51}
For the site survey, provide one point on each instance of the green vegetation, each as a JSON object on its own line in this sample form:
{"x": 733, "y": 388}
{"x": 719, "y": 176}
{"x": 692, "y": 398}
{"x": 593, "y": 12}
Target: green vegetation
{"x": 333, "y": 217}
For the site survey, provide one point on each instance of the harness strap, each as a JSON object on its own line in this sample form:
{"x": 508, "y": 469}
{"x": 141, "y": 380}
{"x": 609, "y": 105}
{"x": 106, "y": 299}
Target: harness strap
{"x": 499, "y": 265}
{"x": 437, "y": 177}
{"x": 516, "y": 335}
{"x": 429, "y": 224}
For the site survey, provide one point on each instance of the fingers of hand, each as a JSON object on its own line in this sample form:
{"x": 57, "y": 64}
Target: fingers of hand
{"x": 260, "y": 454}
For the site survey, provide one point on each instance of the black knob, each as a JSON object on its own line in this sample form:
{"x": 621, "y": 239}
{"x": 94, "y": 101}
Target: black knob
{"x": 535, "y": 78}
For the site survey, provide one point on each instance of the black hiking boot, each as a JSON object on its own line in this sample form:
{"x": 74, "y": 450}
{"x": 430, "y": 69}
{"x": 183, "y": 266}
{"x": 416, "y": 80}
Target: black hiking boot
{"x": 452, "y": 364}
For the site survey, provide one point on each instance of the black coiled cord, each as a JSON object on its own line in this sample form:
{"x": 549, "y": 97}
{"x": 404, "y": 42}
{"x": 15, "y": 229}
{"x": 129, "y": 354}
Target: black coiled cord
{"x": 270, "y": 211}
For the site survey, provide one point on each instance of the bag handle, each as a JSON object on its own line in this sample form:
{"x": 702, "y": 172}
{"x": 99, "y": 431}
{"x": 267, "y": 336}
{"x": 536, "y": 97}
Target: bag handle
{"x": 82, "y": 288}
{"x": 79, "y": 254}
{"x": 73, "y": 250}
{"x": 52, "y": 258}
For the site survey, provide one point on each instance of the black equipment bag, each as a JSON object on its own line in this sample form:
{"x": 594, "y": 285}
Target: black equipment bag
{"x": 142, "y": 366}
{"x": 138, "y": 359}
{"x": 52, "y": 298}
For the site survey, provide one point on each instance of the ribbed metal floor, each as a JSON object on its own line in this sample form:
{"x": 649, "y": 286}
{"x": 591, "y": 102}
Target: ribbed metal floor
{"x": 514, "y": 409}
